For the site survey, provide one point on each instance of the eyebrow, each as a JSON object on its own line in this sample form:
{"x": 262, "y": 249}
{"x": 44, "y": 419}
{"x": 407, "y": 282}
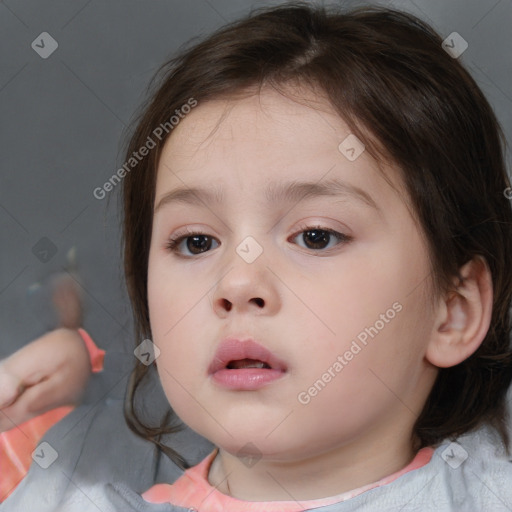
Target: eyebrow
{"x": 291, "y": 192}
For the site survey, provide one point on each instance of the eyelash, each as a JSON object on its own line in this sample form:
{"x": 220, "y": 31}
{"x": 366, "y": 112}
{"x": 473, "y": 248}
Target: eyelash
{"x": 173, "y": 243}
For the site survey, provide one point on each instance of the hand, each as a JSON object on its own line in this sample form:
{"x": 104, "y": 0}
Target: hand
{"x": 49, "y": 372}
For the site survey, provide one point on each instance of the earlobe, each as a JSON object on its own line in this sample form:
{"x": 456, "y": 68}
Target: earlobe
{"x": 463, "y": 316}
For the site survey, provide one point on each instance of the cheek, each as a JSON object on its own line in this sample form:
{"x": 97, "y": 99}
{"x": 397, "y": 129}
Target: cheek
{"x": 372, "y": 338}
{"x": 172, "y": 296}
{"x": 172, "y": 307}
{"x": 346, "y": 306}
{"x": 181, "y": 361}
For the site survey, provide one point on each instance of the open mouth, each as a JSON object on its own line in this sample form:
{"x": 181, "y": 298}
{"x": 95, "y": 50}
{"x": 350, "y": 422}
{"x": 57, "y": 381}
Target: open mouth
{"x": 246, "y": 375}
{"x": 233, "y": 354}
{"x": 247, "y": 363}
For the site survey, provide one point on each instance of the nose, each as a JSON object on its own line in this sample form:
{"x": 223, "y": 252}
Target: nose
{"x": 247, "y": 288}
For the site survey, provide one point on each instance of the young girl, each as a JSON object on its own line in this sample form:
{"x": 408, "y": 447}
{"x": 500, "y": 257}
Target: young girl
{"x": 318, "y": 243}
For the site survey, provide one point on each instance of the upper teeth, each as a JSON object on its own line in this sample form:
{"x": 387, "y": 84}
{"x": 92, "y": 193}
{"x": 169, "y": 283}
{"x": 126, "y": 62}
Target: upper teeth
{"x": 255, "y": 365}
{"x": 247, "y": 363}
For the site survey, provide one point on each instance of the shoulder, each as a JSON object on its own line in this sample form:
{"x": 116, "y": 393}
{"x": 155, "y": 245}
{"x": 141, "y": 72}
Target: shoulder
{"x": 111, "y": 498}
{"x": 473, "y": 473}
{"x": 94, "y": 446}
{"x": 478, "y": 471}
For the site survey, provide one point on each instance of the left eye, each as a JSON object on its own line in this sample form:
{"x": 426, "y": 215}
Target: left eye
{"x": 317, "y": 238}
{"x": 194, "y": 243}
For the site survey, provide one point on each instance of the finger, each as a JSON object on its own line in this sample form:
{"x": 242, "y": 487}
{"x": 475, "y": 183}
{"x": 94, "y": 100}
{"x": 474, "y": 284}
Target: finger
{"x": 34, "y": 401}
{"x": 10, "y": 388}
{"x": 30, "y": 364}
{"x": 48, "y": 394}
{"x": 67, "y": 299}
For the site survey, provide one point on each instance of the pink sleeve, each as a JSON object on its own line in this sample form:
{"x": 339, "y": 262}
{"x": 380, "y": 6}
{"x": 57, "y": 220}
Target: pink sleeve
{"x": 95, "y": 354}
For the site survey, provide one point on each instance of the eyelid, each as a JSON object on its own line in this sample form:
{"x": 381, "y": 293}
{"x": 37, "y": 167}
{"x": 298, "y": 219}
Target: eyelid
{"x": 187, "y": 231}
{"x": 315, "y": 225}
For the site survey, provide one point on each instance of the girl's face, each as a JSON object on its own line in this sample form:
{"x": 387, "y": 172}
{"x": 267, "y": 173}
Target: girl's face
{"x": 307, "y": 251}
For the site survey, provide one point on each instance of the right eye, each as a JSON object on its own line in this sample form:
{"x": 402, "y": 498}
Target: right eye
{"x": 193, "y": 242}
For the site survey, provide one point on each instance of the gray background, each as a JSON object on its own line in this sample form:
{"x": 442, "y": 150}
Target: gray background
{"x": 62, "y": 121}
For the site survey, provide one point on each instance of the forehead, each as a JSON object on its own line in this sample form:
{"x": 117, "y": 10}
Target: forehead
{"x": 281, "y": 121}
{"x": 260, "y": 140}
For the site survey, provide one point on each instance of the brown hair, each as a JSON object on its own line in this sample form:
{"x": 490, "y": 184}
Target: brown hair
{"x": 386, "y": 74}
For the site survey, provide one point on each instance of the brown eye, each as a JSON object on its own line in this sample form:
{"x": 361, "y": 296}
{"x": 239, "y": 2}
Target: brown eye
{"x": 191, "y": 244}
{"x": 318, "y": 239}
{"x": 198, "y": 243}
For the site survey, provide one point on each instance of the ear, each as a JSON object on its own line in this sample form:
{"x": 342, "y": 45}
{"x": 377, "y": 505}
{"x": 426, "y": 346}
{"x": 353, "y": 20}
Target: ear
{"x": 463, "y": 316}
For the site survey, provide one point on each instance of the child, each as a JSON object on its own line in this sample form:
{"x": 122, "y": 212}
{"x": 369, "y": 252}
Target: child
{"x": 318, "y": 244}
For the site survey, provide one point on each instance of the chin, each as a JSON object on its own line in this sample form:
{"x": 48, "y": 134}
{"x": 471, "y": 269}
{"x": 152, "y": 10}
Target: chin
{"x": 251, "y": 444}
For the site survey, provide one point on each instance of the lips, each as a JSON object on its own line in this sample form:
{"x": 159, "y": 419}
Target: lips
{"x": 236, "y": 354}
{"x": 244, "y": 365}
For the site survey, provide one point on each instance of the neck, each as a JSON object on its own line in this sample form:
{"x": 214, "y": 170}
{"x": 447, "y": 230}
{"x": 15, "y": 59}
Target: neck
{"x": 318, "y": 476}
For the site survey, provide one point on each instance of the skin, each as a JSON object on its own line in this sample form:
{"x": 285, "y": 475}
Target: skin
{"x": 51, "y": 371}
{"x": 313, "y": 302}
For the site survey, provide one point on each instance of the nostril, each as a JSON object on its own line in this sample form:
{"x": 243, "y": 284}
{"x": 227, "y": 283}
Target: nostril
{"x": 226, "y": 304}
{"x": 259, "y": 302}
